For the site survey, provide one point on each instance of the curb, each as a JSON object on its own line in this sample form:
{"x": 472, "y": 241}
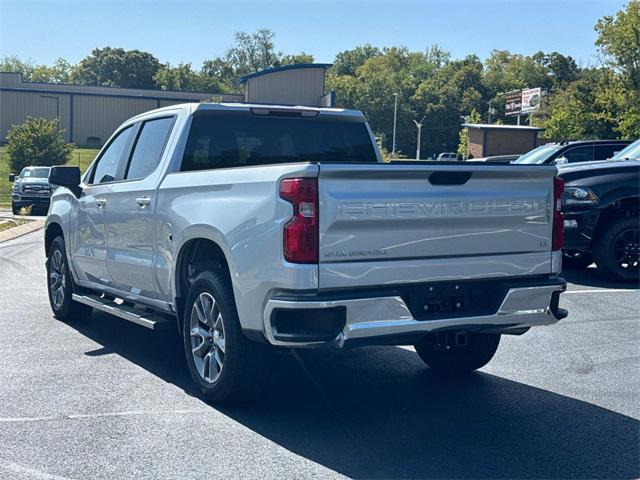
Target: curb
{"x": 21, "y": 230}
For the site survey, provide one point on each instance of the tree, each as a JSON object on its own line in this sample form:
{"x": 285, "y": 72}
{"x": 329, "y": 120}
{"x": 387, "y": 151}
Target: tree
{"x": 116, "y": 67}
{"x": 250, "y": 53}
{"x": 347, "y": 61}
{"x": 619, "y": 42}
{"x": 14, "y": 64}
{"x": 463, "y": 145}
{"x": 182, "y": 77}
{"x": 453, "y": 91}
{"x": 36, "y": 142}
{"x": 59, "y": 72}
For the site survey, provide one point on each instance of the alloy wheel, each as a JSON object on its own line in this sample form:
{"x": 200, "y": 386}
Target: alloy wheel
{"x": 57, "y": 277}
{"x": 207, "y": 337}
{"x": 626, "y": 249}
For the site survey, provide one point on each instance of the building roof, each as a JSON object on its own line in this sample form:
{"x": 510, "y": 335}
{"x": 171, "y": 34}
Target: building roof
{"x": 266, "y": 71}
{"x": 13, "y": 81}
{"x": 491, "y": 126}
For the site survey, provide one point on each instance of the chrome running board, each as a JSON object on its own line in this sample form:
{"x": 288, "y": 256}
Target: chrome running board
{"x": 139, "y": 316}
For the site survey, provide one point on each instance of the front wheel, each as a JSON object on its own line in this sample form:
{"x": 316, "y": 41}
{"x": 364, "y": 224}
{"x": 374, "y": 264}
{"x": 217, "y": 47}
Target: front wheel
{"x": 60, "y": 285}
{"x": 452, "y": 353}
{"x": 221, "y": 361}
{"x": 617, "y": 250}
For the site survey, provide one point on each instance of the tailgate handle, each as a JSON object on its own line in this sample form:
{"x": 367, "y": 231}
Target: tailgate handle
{"x": 449, "y": 178}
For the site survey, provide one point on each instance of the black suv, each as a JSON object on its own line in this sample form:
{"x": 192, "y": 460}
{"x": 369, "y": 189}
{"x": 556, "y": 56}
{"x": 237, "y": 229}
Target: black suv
{"x": 601, "y": 206}
{"x": 573, "y": 152}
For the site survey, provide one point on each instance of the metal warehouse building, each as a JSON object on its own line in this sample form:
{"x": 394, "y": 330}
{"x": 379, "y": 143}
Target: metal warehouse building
{"x": 90, "y": 114}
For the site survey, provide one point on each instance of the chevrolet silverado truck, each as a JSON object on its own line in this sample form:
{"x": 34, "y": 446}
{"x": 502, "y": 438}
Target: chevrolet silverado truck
{"x": 245, "y": 224}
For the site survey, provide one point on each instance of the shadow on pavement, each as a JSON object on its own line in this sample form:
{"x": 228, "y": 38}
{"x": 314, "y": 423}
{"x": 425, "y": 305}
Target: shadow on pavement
{"x": 379, "y": 413}
{"x": 592, "y": 277}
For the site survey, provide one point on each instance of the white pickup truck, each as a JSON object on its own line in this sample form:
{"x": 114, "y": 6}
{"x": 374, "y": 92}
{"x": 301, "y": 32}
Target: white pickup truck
{"x": 282, "y": 225}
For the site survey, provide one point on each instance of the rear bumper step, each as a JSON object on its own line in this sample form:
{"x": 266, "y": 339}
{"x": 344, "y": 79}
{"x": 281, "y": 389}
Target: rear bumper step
{"x": 139, "y": 316}
{"x": 377, "y": 319}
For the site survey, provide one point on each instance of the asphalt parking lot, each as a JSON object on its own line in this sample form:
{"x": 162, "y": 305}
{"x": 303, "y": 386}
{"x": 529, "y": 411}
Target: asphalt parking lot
{"x": 104, "y": 398}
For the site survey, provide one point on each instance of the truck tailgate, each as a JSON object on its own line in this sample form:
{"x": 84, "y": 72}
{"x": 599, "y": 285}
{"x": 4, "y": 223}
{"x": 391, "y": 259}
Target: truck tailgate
{"x": 396, "y": 223}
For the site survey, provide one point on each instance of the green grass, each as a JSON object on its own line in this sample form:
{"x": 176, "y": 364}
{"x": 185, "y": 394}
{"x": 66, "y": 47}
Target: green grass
{"x": 80, "y": 157}
{"x": 12, "y": 223}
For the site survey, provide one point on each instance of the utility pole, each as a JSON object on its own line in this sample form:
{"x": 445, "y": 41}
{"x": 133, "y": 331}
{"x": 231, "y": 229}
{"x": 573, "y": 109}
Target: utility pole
{"x": 395, "y": 116}
{"x": 419, "y": 125}
{"x": 489, "y": 112}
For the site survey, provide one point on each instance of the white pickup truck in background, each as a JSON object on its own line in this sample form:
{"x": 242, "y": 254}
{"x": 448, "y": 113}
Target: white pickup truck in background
{"x": 283, "y": 226}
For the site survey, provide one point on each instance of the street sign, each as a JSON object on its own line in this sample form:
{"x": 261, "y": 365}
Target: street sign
{"x": 531, "y": 99}
{"x": 513, "y": 103}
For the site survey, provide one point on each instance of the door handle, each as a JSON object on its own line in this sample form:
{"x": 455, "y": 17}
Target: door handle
{"x": 100, "y": 202}
{"x": 143, "y": 201}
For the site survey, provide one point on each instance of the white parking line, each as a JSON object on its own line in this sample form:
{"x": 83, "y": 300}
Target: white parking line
{"x": 603, "y": 290}
{"x": 16, "y": 468}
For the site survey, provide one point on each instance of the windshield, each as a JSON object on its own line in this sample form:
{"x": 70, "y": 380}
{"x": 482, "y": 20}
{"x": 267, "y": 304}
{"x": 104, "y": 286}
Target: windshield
{"x": 630, "y": 152}
{"x": 538, "y": 155}
{"x": 40, "y": 172}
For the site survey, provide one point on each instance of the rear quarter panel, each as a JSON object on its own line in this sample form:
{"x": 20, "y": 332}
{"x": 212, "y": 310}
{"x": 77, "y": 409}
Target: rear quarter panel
{"x": 240, "y": 210}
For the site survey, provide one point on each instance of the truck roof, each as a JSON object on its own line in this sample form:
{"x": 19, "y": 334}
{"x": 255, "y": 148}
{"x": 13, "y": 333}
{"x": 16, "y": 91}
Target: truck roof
{"x": 193, "y": 107}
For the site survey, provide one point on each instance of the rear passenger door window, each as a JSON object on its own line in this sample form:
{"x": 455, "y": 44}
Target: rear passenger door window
{"x": 106, "y": 169}
{"x": 147, "y": 151}
{"x": 579, "y": 154}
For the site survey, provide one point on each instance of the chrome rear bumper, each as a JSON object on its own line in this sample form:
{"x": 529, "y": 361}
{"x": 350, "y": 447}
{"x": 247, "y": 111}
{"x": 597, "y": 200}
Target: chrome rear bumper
{"x": 379, "y": 317}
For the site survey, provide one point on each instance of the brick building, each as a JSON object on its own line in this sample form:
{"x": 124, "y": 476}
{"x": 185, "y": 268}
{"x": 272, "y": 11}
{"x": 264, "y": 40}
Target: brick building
{"x": 488, "y": 140}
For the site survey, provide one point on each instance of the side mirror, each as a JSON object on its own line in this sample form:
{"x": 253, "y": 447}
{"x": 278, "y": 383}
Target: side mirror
{"x": 561, "y": 161}
{"x": 68, "y": 177}
{"x": 12, "y": 177}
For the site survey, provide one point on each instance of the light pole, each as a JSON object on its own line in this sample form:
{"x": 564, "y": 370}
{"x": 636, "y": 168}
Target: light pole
{"x": 419, "y": 125}
{"x": 395, "y": 117}
{"x": 491, "y": 111}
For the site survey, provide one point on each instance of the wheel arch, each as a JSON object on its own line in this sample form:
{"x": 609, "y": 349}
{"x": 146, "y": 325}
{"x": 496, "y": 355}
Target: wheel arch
{"x": 53, "y": 230}
{"x": 622, "y": 207}
{"x": 194, "y": 256}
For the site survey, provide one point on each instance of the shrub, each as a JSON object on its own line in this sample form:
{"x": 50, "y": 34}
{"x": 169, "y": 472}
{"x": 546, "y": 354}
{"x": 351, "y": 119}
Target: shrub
{"x": 36, "y": 142}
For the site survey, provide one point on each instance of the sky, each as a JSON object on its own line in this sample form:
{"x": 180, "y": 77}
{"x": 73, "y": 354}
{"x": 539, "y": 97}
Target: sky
{"x": 186, "y": 31}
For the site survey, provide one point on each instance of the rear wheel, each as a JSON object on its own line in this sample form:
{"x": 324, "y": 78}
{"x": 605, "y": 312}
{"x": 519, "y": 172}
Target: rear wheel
{"x": 221, "y": 361}
{"x": 575, "y": 260}
{"x": 456, "y": 352}
{"x": 617, "y": 250}
{"x": 60, "y": 285}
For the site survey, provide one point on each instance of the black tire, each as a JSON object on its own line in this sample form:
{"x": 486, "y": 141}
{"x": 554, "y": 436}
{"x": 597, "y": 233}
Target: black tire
{"x": 574, "y": 260}
{"x": 235, "y": 378}
{"x": 15, "y": 210}
{"x": 446, "y": 357}
{"x": 616, "y": 250}
{"x": 58, "y": 273}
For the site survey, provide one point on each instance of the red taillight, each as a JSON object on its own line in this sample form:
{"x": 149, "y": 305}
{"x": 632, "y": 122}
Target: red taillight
{"x": 300, "y": 235}
{"x": 558, "y": 218}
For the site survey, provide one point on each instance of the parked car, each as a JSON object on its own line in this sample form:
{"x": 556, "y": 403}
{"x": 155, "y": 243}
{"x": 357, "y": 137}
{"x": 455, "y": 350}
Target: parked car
{"x": 495, "y": 159}
{"x": 601, "y": 216}
{"x": 283, "y": 226}
{"x": 447, "y": 157}
{"x": 630, "y": 152}
{"x": 572, "y": 152}
{"x": 31, "y": 189}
